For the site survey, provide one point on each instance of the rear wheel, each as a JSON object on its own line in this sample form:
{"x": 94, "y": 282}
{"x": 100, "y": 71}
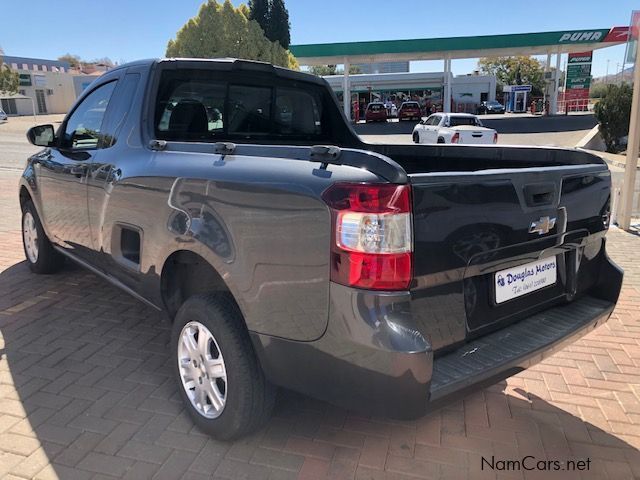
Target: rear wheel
{"x": 220, "y": 380}
{"x": 41, "y": 256}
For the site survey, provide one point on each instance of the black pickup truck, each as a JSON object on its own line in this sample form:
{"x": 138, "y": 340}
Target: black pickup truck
{"x": 384, "y": 278}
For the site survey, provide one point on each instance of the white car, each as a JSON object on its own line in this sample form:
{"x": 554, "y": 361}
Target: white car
{"x": 453, "y": 128}
{"x": 3, "y": 116}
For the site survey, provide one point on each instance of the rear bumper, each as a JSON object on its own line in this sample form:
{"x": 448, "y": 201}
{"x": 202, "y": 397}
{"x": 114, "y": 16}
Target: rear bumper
{"x": 372, "y": 358}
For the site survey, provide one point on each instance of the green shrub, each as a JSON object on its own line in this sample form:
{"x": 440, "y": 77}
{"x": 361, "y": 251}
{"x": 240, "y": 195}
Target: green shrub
{"x": 613, "y": 112}
{"x": 597, "y": 90}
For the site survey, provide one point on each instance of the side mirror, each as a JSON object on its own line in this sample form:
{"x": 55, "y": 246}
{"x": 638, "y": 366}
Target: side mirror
{"x": 41, "y": 135}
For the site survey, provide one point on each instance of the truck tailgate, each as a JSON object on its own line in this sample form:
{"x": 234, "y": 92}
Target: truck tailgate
{"x": 470, "y": 135}
{"x": 494, "y": 246}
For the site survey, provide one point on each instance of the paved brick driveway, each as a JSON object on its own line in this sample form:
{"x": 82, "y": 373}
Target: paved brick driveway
{"x": 85, "y": 393}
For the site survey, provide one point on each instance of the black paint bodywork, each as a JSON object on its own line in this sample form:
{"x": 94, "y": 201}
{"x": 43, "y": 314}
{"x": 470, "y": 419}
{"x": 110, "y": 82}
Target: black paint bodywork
{"x": 254, "y": 213}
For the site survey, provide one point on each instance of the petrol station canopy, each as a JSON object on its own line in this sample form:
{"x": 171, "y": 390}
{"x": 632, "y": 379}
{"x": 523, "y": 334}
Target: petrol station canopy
{"x": 540, "y": 43}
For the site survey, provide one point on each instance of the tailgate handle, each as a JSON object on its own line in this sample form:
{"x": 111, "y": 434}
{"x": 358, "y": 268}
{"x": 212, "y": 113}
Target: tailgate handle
{"x": 540, "y": 194}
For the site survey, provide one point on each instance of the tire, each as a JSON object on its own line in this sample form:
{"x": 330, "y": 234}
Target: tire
{"x": 416, "y": 137}
{"x": 440, "y": 140}
{"x": 42, "y": 258}
{"x": 247, "y": 403}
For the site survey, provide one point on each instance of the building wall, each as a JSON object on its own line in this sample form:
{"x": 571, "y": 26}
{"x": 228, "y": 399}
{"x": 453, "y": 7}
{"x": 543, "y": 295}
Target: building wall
{"x": 55, "y": 88}
{"x": 58, "y": 89}
{"x": 81, "y": 82}
{"x": 15, "y": 105}
{"x": 49, "y": 83}
{"x": 469, "y": 88}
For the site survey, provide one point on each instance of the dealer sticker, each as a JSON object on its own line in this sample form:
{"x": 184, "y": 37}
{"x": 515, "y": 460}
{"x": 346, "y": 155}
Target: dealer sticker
{"x": 518, "y": 281}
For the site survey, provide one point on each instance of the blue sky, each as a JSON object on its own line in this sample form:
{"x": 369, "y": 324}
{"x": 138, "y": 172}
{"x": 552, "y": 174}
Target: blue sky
{"x": 131, "y": 29}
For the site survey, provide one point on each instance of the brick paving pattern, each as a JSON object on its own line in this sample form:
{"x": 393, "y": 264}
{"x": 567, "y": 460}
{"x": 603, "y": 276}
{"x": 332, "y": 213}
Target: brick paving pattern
{"x": 85, "y": 392}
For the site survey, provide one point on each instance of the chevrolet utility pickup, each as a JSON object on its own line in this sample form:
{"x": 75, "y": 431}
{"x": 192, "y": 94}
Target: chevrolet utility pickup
{"x": 287, "y": 252}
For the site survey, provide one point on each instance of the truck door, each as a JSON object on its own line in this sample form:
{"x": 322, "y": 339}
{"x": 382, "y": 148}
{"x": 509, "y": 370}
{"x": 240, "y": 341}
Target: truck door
{"x": 430, "y": 129}
{"x": 117, "y": 239}
{"x": 63, "y": 173}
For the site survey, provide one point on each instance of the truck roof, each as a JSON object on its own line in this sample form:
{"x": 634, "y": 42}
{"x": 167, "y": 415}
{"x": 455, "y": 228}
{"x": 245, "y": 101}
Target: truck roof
{"x": 228, "y": 64}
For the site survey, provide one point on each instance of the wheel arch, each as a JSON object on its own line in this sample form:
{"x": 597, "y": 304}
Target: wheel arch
{"x": 25, "y": 196}
{"x": 185, "y": 273}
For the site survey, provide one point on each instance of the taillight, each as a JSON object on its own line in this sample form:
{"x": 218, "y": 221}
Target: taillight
{"x": 455, "y": 138}
{"x": 371, "y": 244}
{"x": 495, "y": 137}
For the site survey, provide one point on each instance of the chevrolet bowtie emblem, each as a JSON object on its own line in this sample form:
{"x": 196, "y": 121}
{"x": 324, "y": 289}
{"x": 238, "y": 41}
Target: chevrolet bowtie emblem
{"x": 542, "y": 226}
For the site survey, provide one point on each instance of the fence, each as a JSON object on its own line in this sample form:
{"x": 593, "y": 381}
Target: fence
{"x": 577, "y": 105}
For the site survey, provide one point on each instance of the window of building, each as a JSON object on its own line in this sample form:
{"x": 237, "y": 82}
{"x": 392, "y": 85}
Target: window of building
{"x": 14, "y": 66}
{"x": 25, "y": 66}
{"x": 35, "y": 67}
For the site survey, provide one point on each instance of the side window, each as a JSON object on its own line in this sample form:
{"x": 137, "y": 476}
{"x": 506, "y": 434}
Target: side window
{"x": 433, "y": 120}
{"x": 82, "y": 130}
{"x": 189, "y": 109}
{"x": 249, "y": 110}
{"x": 118, "y": 109}
{"x": 297, "y": 112}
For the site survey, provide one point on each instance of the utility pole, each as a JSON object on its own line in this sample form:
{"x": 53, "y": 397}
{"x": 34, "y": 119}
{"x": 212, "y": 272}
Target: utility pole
{"x": 618, "y": 77}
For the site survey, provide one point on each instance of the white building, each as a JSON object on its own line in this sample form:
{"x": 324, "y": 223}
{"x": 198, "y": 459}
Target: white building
{"x": 48, "y": 85}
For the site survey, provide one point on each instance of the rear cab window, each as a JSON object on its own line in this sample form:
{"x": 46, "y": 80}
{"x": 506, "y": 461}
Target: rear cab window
{"x": 208, "y": 105}
{"x": 455, "y": 121}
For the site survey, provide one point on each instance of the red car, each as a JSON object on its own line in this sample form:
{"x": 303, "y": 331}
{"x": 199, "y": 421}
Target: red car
{"x": 376, "y": 112}
{"x": 409, "y": 111}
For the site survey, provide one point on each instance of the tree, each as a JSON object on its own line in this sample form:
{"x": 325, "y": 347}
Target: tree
{"x": 323, "y": 70}
{"x": 519, "y": 70}
{"x": 326, "y": 70}
{"x": 259, "y": 11}
{"x": 9, "y": 80}
{"x": 353, "y": 70}
{"x": 597, "y": 90}
{"x": 278, "y": 28}
{"x": 226, "y": 31}
{"x": 73, "y": 60}
{"x": 613, "y": 112}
